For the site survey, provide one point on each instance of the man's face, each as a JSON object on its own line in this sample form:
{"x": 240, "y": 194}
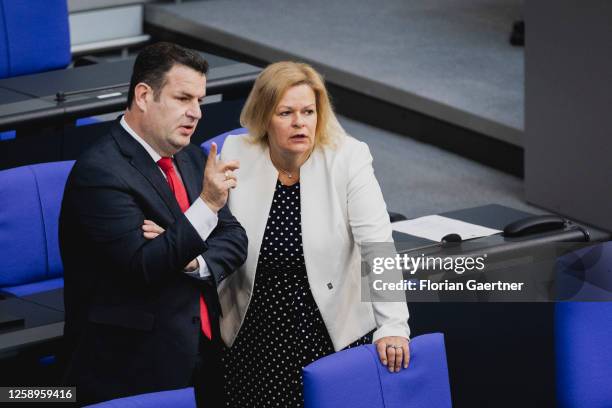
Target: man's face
{"x": 170, "y": 120}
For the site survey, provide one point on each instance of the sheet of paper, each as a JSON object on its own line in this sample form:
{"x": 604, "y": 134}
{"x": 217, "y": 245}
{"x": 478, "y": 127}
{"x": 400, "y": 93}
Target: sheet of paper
{"x": 434, "y": 227}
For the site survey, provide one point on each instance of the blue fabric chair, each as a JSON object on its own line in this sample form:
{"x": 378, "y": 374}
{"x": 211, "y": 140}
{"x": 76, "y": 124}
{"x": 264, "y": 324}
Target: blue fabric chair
{"x": 8, "y": 135}
{"x": 220, "y": 139}
{"x": 355, "y": 378}
{"x": 183, "y": 398}
{"x": 34, "y": 36}
{"x": 30, "y": 199}
{"x": 86, "y": 121}
{"x": 583, "y": 331}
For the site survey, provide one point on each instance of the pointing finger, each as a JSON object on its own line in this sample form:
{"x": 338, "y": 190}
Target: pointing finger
{"x": 211, "y": 161}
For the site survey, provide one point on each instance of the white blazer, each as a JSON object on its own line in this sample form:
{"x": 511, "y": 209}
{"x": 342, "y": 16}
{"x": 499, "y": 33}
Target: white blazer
{"x": 341, "y": 205}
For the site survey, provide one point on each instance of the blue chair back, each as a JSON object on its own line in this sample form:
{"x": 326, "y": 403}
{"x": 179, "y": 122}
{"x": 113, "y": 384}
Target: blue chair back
{"x": 7, "y": 135}
{"x": 355, "y": 378}
{"x": 220, "y": 139}
{"x": 30, "y": 199}
{"x": 583, "y": 331}
{"x": 183, "y": 398}
{"x": 34, "y": 36}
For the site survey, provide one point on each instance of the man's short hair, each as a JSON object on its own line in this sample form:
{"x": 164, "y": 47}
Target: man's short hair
{"x": 155, "y": 60}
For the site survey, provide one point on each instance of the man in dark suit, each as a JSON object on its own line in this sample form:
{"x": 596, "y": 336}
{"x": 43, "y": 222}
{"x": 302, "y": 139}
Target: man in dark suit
{"x": 142, "y": 315}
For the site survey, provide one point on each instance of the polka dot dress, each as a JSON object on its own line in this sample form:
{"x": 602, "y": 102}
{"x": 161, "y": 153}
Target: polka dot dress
{"x": 283, "y": 329}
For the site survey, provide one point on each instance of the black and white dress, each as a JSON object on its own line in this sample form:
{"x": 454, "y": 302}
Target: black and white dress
{"x": 283, "y": 330}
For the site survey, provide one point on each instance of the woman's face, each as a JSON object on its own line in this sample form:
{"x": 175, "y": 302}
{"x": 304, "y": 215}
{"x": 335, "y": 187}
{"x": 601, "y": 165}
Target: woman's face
{"x": 293, "y": 124}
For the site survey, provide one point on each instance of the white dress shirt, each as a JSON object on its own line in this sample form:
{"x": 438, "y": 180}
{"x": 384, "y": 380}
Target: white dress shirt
{"x": 203, "y": 219}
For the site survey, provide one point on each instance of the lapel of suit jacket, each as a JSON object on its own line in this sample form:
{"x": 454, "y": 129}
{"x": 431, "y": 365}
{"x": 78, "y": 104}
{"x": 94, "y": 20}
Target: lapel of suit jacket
{"x": 188, "y": 175}
{"x": 143, "y": 163}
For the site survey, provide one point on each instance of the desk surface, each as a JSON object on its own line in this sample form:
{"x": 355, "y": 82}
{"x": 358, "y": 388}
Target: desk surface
{"x": 41, "y": 323}
{"x": 104, "y": 74}
{"x": 70, "y": 80}
{"x": 9, "y": 96}
{"x": 52, "y": 299}
{"x": 96, "y": 89}
{"x": 492, "y": 216}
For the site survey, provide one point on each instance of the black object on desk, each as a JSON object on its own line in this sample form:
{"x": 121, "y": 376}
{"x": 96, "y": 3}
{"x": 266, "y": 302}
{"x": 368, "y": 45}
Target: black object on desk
{"x": 535, "y": 224}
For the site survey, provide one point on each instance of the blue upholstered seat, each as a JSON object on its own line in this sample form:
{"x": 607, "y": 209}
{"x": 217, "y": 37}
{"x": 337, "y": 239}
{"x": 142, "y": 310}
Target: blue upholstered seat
{"x": 34, "y": 36}
{"x": 8, "y": 135}
{"x": 355, "y": 378}
{"x": 583, "y": 330}
{"x": 220, "y": 139}
{"x": 30, "y": 199}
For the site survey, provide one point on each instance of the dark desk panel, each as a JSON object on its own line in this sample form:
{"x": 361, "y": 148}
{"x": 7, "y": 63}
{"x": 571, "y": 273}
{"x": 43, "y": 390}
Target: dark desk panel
{"x": 106, "y": 74}
{"x": 17, "y": 104}
{"x": 70, "y": 80}
{"x": 8, "y": 96}
{"x": 41, "y": 324}
{"x": 98, "y": 89}
{"x": 53, "y": 299}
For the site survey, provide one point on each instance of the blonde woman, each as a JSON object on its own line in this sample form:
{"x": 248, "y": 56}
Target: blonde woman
{"x": 307, "y": 196}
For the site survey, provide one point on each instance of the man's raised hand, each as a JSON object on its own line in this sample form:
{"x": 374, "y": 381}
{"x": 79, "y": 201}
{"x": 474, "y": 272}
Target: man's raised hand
{"x": 219, "y": 177}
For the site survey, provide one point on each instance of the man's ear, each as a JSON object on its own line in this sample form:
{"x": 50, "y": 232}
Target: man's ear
{"x": 143, "y": 94}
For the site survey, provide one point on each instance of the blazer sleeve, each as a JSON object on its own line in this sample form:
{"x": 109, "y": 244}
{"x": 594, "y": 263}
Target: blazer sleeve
{"x": 369, "y": 222}
{"x": 100, "y": 211}
{"x": 226, "y": 247}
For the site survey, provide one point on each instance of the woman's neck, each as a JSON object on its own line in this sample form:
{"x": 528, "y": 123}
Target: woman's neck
{"x": 288, "y": 165}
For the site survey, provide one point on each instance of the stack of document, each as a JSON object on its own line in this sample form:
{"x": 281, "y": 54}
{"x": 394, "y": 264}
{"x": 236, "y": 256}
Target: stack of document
{"x": 435, "y": 227}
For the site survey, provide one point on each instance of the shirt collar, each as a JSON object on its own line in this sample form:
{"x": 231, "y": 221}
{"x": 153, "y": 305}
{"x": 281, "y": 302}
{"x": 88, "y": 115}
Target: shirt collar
{"x": 154, "y": 155}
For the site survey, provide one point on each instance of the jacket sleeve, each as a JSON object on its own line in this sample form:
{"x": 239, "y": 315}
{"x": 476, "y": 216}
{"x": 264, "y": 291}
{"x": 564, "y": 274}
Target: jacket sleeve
{"x": 226, "y": 247}
{"x": 102, "y": 216}
{"x": 369, "y": 223}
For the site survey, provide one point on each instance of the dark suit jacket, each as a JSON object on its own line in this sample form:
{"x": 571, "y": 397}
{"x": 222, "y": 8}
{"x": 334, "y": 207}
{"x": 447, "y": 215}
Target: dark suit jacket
{"x": 132, "y": 314}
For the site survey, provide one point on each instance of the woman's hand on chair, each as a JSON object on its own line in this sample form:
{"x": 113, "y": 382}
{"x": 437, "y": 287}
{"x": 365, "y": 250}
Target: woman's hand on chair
{"x": 394, "y": 352}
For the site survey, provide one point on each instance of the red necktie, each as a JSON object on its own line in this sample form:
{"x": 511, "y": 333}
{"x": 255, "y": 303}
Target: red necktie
{"x": 177, "y": 187}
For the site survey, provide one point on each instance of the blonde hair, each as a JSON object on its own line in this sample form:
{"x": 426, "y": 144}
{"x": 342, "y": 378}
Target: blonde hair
{"x": 268, "y": 90}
